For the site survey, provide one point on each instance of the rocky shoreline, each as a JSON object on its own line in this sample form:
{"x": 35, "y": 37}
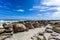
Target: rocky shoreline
{"x": 41, "y": 29}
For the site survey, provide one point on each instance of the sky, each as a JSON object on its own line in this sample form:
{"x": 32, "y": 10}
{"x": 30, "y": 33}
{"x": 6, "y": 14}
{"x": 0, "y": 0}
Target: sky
{"x": 30, "y": 9}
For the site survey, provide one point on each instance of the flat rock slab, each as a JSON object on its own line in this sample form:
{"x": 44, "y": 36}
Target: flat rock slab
{"x": 27, "y": 35}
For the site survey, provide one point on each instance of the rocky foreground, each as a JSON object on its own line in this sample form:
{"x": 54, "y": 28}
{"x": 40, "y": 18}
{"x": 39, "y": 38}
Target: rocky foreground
{"x": 33, "y": 33}
{"x": 26, "y": 35}
{"x": 35, "y": 30}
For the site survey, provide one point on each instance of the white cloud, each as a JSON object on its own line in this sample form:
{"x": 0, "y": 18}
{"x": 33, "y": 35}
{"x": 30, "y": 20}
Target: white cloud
{"x": 40, "y": 7}
{"x": 56, "y": 3}
{"x": 42, "y": 10}
{"x": 56, "y": 15}
{"x": 20, "y": 10}
{"x": 51, "y": 2}
{"x": 31, "y": 9}
{"x": 46, "y": 6}
{"x": 57, "y": 8}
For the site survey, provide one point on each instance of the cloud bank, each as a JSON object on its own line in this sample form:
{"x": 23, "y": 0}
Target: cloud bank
{"x": 53, "y": 4}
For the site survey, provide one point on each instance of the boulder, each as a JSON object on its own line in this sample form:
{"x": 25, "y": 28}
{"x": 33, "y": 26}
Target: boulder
{"x": 18, "y": 27}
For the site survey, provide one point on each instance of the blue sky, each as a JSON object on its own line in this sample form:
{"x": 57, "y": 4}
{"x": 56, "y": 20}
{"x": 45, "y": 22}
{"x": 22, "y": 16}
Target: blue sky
{"x": 30, "y": 9}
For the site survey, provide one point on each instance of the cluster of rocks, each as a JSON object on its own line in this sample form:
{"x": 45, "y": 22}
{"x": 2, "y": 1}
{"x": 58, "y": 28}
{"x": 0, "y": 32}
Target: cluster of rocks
{"x": 38, "y": 36}
{"x": 7, "y": 32}
{"x": 21, "y": 26}
{"x": 26, "y": 25}
{"x": 48, "y": 34}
